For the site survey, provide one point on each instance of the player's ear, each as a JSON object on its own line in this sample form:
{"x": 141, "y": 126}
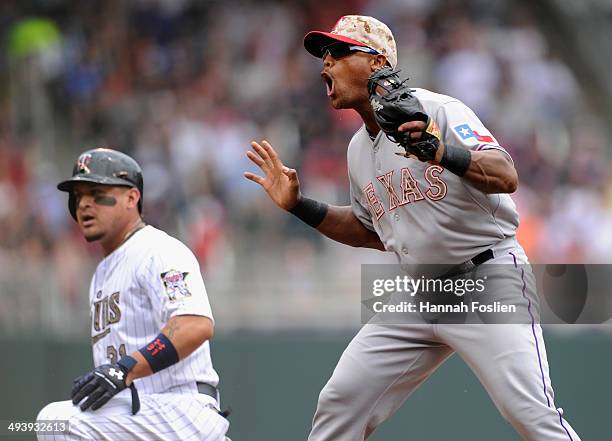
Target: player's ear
{"x": 133, "y": 196}
{"x": 377, "y": 62}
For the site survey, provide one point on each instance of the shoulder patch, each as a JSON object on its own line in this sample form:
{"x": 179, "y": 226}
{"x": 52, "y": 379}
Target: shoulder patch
{"x": 466, "y": 132}
{"x": 174, "y": 282}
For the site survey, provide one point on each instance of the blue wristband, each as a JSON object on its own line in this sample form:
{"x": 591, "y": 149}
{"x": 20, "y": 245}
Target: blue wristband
{"x": 160, "y": 353}
{"x": 127, "y": 362}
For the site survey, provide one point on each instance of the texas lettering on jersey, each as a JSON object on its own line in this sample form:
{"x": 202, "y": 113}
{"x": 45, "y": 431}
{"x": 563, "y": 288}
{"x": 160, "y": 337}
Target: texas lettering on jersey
{"x": 408, "y": 191}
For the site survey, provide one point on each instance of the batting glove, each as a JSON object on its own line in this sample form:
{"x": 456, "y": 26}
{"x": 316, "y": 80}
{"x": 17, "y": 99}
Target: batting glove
{"x": 103, "y": 383}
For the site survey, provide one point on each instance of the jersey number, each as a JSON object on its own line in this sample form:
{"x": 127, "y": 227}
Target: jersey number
{"x": 111, "y": 353}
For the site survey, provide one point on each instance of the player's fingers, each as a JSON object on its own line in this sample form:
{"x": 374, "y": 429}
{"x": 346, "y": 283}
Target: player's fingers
{"x": 75, "y": 389}
{"x": 255, "y": 158}
{"x": 263, "y": 154}
{"x": 291, "y": 173}
{"x": 101, "y": 401}
{"x": 253, "y": 177}
{"x": 415, "y": 136}
{"x": 80, "y": 378}
{"x": 84, "y": 391}
{"x": 93, "y": 397}
{"x": 412, "y": 126}
{"x": 272, "y": 153}
{"x": 79, "y": 382}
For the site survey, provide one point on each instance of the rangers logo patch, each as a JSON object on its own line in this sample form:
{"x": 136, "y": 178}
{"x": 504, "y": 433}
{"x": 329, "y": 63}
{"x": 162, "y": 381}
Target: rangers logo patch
{"x": 176, "y": 287}
{"x": 466, "y": 132}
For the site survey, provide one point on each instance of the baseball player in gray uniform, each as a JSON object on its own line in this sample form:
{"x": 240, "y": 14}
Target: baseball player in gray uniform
{"x": 454, "y": 209}
{"x": 150, "y": 320}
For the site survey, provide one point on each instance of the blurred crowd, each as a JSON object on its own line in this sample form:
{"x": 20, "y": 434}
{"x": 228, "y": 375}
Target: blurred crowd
{"x": 184, "y": 85}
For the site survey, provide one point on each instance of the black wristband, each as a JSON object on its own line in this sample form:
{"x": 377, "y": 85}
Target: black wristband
{"x": 160, "y": 353}
{"x": 310, "y": 211}
{"x": 456, "y": 160}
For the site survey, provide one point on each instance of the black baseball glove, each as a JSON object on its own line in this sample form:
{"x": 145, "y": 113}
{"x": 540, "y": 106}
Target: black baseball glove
{"x": 102, "y": 384}
{"x": 394, "y": 104}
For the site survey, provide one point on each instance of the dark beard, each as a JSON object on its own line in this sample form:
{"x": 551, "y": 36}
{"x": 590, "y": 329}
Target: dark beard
{"x": 94, "y": 237}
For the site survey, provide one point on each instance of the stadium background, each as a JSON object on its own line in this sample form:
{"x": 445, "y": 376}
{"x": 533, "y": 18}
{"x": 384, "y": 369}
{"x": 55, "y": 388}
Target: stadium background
{"x": 184, "y": 85}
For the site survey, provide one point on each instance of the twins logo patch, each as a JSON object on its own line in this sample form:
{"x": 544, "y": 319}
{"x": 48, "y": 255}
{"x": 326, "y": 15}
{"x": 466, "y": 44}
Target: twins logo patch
{"x": 465, "y": 132}
{"x": 83, "y": 163}
{"x": 174, "y": 282}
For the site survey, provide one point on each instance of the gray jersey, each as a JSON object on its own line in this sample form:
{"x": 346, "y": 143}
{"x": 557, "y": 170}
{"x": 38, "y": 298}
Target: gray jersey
{"x": 422, "y": 212}
{"x": 425, "y": 214}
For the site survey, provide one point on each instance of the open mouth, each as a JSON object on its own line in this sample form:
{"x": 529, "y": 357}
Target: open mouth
{"x": 87, "y": 220}
{"x": 329, "y": 83}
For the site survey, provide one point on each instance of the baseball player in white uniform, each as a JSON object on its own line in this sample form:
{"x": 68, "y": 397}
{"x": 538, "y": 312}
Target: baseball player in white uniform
{"x": 454, "y": 209}
{"x": 150, "y": 320}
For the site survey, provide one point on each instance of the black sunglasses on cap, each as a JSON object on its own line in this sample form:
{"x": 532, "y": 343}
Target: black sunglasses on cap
{"x": 340, "y": 50}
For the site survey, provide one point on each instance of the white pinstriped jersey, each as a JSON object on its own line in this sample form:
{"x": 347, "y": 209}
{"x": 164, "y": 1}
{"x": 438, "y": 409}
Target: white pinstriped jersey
{"x": 135, "y": 290}
{"x": 422, "y": 212}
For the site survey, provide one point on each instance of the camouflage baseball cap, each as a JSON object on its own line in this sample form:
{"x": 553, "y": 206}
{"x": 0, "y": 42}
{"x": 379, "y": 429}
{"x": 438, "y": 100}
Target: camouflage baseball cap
{"x": 358, "y": 30}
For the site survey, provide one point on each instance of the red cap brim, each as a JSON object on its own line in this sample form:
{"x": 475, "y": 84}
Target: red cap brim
{"x": 315, "y": 41}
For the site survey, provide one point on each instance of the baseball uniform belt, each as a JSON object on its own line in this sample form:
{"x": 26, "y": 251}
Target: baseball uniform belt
{"x": 483, "y": 257}
{"x": 212, "y": 391}
{"x": 208, "y": 389}
{"x": 470, "y": 264}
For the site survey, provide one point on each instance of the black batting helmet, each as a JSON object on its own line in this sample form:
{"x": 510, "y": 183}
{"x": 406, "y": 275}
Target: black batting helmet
{"x": 106, "y": 167}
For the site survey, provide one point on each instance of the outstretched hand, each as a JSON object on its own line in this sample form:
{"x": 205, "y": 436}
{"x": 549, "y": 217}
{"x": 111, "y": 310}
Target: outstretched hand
{"x": 280, "y": 182}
